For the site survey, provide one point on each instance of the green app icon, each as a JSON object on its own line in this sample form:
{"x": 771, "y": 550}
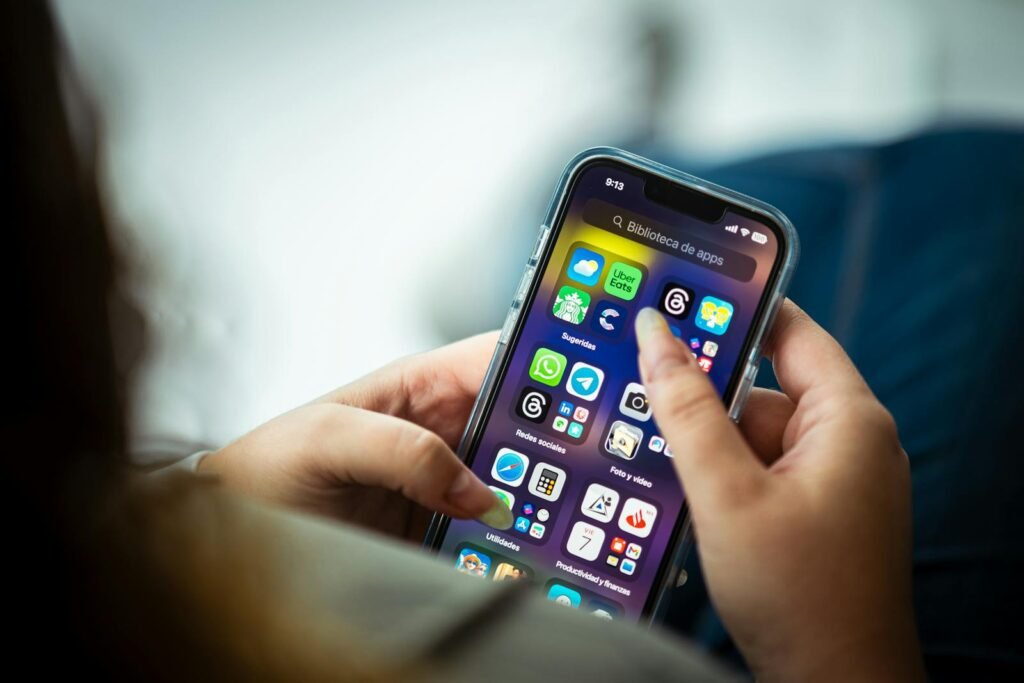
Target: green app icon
{"x": 623, "y": 281}
{"x": 571, "y": 305}
{"x": 547, "y": 367}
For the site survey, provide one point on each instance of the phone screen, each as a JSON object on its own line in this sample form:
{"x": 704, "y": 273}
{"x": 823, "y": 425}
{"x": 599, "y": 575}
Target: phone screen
{"x": 568, "y": 440}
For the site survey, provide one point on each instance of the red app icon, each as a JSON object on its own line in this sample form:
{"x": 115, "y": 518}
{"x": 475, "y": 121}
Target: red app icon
{"x": 637, "y": 517}
{"x": 618, "y": 545}
{"x": 705, "y": 363}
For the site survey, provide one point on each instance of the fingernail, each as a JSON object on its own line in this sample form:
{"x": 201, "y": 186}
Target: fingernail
{"x": 469, "y": 493}
{"x": 648, "y": 323}
{"x": 499, "y": 516}
{"x": 659, "y": 348}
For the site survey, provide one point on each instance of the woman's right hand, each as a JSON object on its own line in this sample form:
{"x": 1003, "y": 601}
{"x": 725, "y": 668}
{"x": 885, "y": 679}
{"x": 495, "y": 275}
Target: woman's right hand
{"x": 802, "y": 513}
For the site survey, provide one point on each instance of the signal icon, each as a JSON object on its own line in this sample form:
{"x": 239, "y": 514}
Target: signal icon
{"x": 744, "y": 232}
{"x": 732, "y": 228}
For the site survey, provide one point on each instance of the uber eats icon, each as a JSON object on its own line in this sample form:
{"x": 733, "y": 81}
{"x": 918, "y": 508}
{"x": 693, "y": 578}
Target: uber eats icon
{"x": 623, "y": 281}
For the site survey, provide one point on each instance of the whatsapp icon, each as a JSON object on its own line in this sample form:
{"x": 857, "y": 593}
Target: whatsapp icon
{"x": 547, "y": 367}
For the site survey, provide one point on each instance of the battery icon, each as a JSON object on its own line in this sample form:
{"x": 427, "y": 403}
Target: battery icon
{"x": 759, "y": 237}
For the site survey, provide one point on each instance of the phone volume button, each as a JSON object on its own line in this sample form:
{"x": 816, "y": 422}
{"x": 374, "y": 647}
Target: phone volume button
{"x": 538, "y": 247}
{"x": 510, "y": 321}
{"x": 524, "y": 285}
{"x": 746, "y": 386}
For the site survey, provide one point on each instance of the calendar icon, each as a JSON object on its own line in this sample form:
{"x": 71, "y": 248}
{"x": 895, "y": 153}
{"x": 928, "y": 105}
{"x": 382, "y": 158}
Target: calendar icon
{"x": 547, "y": 481}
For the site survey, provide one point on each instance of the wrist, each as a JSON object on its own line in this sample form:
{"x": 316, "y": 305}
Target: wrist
{"x": 889, "y": 653}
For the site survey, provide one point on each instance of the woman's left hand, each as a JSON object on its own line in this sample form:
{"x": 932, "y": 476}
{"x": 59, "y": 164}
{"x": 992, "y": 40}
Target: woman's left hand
{"x": 378, "y": 452}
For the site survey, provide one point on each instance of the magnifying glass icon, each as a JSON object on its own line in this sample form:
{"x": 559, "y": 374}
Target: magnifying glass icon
{"x": 617, "y": 220}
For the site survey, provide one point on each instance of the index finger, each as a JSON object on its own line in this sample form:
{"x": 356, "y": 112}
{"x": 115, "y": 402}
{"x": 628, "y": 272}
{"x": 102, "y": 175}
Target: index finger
{"x": 805, "y": 356}
{"x": 434, "y": 389}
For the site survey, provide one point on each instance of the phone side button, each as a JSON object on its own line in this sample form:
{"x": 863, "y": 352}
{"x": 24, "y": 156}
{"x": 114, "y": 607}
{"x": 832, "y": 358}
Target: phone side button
{"x": 524, "y": 285}
{"x": 538, "y": 248}
{"x": 517, "y": 303}
{"x": 510, "y": 322}
{"x": 746, "y": 386}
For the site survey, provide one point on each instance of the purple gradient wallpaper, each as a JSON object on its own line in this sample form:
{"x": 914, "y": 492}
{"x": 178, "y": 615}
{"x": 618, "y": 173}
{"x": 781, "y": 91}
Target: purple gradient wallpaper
{"x": 569, "y": 439}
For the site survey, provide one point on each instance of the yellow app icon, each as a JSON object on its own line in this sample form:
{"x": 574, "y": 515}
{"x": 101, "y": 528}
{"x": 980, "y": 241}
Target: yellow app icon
{"x": 714, "y": 315}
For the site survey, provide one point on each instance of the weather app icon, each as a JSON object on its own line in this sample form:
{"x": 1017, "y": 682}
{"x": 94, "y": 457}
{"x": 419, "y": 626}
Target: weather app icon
{"x": 585, "y": 266}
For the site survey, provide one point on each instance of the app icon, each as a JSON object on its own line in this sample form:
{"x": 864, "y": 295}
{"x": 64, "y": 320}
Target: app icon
{"x": 564, "y": 595}
{"x": 612, "y": 560}
{"x": 694, "y": 343}
{"x": 527, "y": 509}
{"x": 581, "y": 414}
{"x": 609, "y": 319}
{"x": 522, "y": 524}
{"x": 633, "y": 551}
{"x": 537, "y": 530}
{"x": 560, "y": 424}
{"x": 656, "y": 443}
{"x": 472, "y": 561}
{"x": 637, "y": 517}
{"x": 676, "y": 300}
{"x": 585, "y": 540}
{"x": 710, "y": 349}
{"x": 599, "y": 502}
{"x": 584, "y": 381}
{"x": 623, "y": 440}
{"x": 565, "y": 409}
{"x": 575, "y": 430}
{"x": 603, "y": 610}
{"x": 571, "y": 305}
{"x": 585, "y": 266}
{"x": 547, "y": 367}
{"x": 547, "y": 481}
{"x": 618, "y": 545}
{"x": 543, "y": 515}
{"x": 705, "y": 363}
{"x": 668, "y": 451}
{"x": 533, "y": 404}
{"x": 623, "y": 281}
{"x": 714, "y": 315}
{"x": 506, "y": 571}
{"x": 504, "y": 496}
{"x": 627, "y": 567}
{"x": 510, "y": 467}
{"x": 634, "y": 402}
{"x": 676, "y": 331}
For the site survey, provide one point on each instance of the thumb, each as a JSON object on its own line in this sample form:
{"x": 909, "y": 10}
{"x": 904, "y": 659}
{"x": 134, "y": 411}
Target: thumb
{"x": 714, "y": 463}
{"x": 371, "y": 449}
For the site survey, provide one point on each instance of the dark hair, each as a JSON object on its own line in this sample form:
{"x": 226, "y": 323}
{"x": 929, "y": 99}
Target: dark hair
{"x": 64, "y": 432}
{"x": 150, "y": 581}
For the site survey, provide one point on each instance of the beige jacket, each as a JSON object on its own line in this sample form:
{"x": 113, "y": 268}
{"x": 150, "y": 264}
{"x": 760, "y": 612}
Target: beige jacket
{"x": 355, "y": 603}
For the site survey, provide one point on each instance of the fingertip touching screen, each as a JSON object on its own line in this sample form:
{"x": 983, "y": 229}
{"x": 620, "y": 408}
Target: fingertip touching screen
{"x": 568, "y": 439}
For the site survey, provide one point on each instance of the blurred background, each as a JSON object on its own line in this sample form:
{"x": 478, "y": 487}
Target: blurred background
{"x": 304, "y": 191}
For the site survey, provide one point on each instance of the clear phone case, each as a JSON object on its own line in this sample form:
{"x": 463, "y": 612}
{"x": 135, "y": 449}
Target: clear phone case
{"x": 758, "y": 335}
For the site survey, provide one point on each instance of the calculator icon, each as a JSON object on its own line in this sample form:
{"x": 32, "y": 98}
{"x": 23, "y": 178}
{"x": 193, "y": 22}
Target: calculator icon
{"x": 547, "y": 481}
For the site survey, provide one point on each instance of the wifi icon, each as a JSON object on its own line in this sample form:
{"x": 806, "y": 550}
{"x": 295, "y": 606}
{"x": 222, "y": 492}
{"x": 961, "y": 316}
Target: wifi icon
{"x": 744, "y": 232}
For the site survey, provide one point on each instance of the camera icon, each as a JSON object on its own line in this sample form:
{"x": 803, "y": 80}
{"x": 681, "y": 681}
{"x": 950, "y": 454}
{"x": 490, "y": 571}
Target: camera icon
{"x": 634, "y": 402}
{"x": 637, "y": 401}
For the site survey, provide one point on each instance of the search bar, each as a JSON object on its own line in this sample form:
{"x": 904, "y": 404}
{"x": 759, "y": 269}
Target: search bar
{"x": 670, "y": 240}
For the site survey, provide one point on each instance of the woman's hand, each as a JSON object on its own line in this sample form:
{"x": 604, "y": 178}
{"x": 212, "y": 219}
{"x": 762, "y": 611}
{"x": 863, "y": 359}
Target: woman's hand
{"x": 804, "y": 525}
{"x": 377, "y": 452}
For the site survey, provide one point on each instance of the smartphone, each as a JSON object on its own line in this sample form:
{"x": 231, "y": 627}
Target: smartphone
{"x": 562, "y": 430}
